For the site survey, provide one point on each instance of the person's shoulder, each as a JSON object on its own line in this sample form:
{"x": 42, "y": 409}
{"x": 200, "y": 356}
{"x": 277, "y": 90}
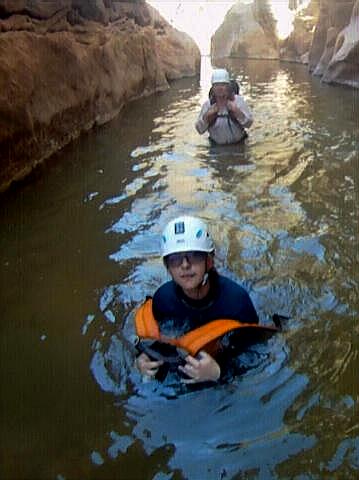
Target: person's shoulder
{"x": 206, "y": 103}
{"x": 240, "y": 100}
{"x": 238, "y": 97}
{"x": 164, "y": 298}
{"x": 237, "y": 299}
{"x": 233, "y": 290}
{"x": 165, "y": 290}
{"x": 231, "y": 285}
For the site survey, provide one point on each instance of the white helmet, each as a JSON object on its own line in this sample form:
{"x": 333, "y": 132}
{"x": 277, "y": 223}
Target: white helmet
{"x": 185, "y": 234}
{"x": 220, "y": 75}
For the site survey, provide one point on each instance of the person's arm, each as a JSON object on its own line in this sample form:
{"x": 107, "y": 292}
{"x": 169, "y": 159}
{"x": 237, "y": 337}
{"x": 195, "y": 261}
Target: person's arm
{"x": 206, "y": 117}
{"x": 240, "y": 111}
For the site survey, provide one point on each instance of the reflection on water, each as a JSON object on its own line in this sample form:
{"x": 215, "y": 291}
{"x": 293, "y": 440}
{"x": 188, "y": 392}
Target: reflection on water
{"x": 81, "y": 252}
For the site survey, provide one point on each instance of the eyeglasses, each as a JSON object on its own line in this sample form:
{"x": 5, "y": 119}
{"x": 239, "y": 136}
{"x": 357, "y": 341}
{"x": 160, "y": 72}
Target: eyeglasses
{"x": 175, "y": 259}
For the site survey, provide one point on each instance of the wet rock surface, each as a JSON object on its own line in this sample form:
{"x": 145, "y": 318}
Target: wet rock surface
{"x": 248, "y": 31}
{"x": 66, "y": 66}
{"x": 296, "y": 47}
{"x": 335, "y": 51}
{"x": 325, "y": 36}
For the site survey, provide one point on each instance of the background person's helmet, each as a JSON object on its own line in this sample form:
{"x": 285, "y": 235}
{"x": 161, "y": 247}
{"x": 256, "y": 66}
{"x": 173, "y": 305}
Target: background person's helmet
{"x": 220, "y": 75}
{"x": 185, "y": 234}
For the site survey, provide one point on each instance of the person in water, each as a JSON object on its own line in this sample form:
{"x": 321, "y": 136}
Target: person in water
{"x": 195, "y": 297}
{"x": 225, "y": 115}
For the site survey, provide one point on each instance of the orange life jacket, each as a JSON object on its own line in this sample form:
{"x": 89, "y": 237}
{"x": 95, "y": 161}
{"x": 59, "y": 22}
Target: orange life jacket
{"x": 201, "y": 338}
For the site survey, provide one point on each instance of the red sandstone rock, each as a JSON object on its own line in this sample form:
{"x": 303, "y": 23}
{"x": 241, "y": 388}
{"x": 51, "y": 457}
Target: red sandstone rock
{"x": 62, "y": 71}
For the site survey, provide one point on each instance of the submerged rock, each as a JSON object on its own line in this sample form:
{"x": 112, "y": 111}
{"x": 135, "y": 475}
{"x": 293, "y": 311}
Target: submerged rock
{"x": 68, "y": 65}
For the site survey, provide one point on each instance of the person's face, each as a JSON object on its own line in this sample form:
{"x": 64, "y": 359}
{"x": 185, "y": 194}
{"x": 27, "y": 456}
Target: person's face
{"x": 221, "y": 93}
{"x": 188, "y": 268}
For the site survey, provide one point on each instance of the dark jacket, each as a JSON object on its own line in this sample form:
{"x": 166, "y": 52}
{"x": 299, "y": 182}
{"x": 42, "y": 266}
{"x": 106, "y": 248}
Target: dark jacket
{"x": 226, "y": 299}
{"x": 177, "y": 314}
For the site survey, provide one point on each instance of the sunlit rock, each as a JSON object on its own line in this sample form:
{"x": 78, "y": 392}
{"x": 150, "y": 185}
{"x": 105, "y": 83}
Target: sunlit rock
{"x": 178, "y": 54}
{"x": 335, "y": 48}
{"x": 296, "y": 46}
{"x": 331, "y": 36}
{"x": 334, "y": 15}
{"x": 248, "y": 31}
{"x": 68, "y": 65}
{"x": 325, "y": 36}
{"x": 343, "y": 67}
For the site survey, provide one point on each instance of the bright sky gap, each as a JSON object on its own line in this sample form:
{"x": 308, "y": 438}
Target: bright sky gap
{"x": 200, "y": 19}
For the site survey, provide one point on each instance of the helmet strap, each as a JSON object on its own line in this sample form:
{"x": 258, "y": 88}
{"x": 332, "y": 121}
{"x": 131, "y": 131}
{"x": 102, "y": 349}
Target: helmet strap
{"x": 205, "y": 279}
{"x": 205, "y": 275}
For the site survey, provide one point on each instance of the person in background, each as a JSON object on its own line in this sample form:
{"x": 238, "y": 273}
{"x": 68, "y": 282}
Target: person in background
{"x": 225, "y": 115}
{"x": 186, "y": 307}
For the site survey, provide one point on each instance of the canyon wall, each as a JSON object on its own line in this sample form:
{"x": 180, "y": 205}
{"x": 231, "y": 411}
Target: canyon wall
{"x": 248, "y": 31}
{"x": 334, "y": 54}
{"x": 68, "y": 65}
{"x": 297, "y": 46}
{"x": 325, "y": 36}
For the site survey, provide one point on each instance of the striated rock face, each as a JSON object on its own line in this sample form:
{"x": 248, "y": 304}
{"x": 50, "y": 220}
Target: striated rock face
{"x": 335, "y": 48}
{"x": 297, "y": 46}
{"x": 325, "y": 36}
{"x": 331, "y": 48}
{"x": 68, "y": 65}
{"x": 248, "y": 31}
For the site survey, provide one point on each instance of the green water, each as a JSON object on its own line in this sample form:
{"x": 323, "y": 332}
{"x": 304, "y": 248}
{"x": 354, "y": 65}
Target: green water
{"x": 79, "y": 251}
